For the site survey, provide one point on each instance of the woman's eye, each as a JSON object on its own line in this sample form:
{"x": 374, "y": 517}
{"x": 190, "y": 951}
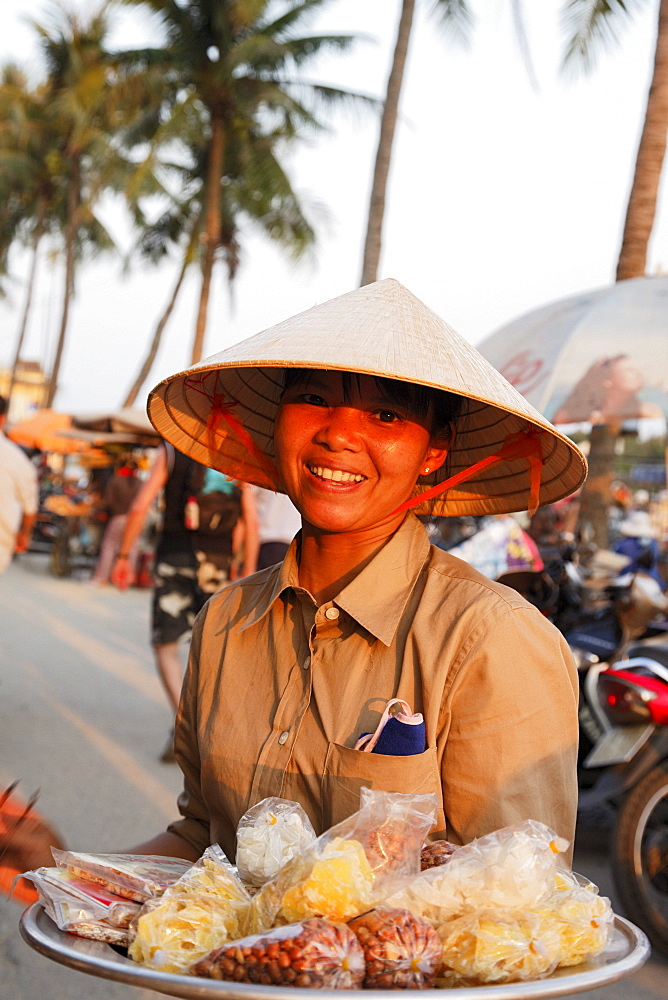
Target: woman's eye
{"x": 387, "y": 416}
{"x": 312, "y": 399}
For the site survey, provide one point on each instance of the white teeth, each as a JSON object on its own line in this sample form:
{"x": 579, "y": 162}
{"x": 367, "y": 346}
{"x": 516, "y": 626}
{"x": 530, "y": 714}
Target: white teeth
{"x": 336, "y": 475}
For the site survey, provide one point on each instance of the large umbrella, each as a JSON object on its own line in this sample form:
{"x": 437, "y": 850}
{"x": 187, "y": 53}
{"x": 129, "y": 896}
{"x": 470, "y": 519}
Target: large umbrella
{"x": 598, "y": 357}
{"x": 43, "y": 433}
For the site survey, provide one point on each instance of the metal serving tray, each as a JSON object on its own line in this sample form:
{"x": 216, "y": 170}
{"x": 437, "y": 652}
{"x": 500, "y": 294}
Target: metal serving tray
{"x": 627, "y": 950}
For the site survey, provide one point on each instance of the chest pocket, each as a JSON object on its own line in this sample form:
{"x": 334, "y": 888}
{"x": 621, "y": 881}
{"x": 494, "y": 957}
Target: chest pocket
{"x": 346, "y": 771}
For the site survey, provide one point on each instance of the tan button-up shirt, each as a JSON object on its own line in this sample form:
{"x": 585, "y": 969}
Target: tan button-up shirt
{"x": 278, "y": 690}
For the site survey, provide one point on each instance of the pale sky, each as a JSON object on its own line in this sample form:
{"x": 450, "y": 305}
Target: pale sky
{"x": 502, "y": 198}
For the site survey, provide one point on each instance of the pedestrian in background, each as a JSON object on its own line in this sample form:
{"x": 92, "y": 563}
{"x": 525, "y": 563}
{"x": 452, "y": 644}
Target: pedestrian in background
{"x": 278, "y": 521}
{"x": 119, "y": 495}
{"x": 19, "y": 496}
{"x": 190, "y": 563}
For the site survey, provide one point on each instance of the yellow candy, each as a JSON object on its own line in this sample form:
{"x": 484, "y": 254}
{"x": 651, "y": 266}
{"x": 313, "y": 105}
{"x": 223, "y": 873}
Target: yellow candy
{"x": 338, "y": 887}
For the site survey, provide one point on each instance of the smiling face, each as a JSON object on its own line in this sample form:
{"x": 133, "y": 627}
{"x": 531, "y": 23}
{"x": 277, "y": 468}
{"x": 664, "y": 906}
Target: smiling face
{"x": 348, "y": 454}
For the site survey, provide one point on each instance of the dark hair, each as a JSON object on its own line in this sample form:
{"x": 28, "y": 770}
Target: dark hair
{"x": 422, "y": 400}
{"x": 3, "y": 406}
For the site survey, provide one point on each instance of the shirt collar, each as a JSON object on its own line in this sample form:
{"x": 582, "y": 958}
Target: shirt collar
{"x": 377, "y": 597}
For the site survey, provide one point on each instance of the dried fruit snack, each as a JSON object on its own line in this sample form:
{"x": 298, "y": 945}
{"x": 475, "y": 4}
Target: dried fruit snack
{"x": 313, "y": 954}
{"x": 211, "y": 875}
{"x": 173, "y": 931}
{"x": 401, "y": 951}
{"x": 133, "y": 876}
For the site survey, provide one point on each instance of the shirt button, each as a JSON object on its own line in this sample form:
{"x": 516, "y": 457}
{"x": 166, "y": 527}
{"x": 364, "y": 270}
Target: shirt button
{"x": 307, "y": 663}
{"x": 332, "y": 613}
{"x": 283, "y": 737}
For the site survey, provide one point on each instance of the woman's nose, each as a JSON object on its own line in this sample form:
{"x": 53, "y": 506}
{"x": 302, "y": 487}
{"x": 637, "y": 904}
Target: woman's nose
{"x": 340, "y": 430}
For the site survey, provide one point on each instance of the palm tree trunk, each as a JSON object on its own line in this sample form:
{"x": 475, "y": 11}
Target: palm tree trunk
{"x": 212, "y": 226}
{"x": 651, "y": 152}
{"x": 36, "y": 239}
{"x": 157, "y": 337}
{"x": 632, "y": 263}
{"x": 388, "y": 124}
{"x": 70, "y": 241}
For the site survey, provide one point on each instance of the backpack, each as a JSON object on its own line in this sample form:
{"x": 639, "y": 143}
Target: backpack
{"x": 210, "y": 511}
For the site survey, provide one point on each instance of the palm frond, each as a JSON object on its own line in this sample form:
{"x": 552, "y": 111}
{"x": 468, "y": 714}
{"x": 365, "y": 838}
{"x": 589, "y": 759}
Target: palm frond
{"x": 590, "y": 25}
{"x": 455, "y": 18}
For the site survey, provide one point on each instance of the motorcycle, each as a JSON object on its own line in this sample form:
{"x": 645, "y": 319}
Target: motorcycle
{"x": 618, "y": 635}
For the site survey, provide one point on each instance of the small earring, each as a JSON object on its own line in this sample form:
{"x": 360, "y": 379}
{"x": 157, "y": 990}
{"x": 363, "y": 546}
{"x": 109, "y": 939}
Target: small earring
{"x": 425, "y": 471}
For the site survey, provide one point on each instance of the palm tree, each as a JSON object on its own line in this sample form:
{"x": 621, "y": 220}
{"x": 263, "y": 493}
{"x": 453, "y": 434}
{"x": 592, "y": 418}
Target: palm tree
{"x": 29, "y": 201}
{"x": 82, "y": 96}
{"x": 590, "y": 25}
{"x": 455, "y": 17}
{"x": 239, "y": 62}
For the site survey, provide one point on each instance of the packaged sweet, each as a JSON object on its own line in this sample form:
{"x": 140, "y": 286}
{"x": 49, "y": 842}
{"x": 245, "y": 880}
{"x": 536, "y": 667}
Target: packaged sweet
{"x": 172, "y": 931}
{"x": 513, "y": 867}
{"x": 494, "y": 946}
{"x": 212, "y": 875}
{"x": 55, "y": 885}
{"x": 436, "y": 853}
{"x": 575, "y": 923}
{"x": 133, "y": 876}
{"x": 350, "y": 867}
{"x": 313, "y": 954}
{"x": 78, "y": 920}
{"x": 401, "y": 951}
{"x": 269, "y": 835}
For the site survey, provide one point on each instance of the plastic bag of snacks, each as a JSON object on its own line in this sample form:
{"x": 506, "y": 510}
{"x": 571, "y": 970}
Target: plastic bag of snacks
{"x": 212, "y": 875}
{"x": 512, "y": 867}
{"x": 315, "y": 954}
{"x": 171, "y": 932}
{"x": 134, "y": 876}
{"x": 401, "y": 951}
{"x": 270, "y": 834}
{"x": 350, "y": 867}
{"x": 574, "y": 923}
{"x": 55, "y": 885}
{"x": 204, "y": 908}
{"x": 494, "y": 946}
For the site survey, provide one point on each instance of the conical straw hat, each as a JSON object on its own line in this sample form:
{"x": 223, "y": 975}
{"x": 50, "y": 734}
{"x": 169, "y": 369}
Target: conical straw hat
{"x": 222, "y": 411}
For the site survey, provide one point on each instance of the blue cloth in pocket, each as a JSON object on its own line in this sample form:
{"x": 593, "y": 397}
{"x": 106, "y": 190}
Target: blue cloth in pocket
{"x": 400, "y": 735}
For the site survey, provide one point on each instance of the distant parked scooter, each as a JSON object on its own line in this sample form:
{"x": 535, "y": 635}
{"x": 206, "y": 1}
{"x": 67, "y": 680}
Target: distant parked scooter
{"x": 620, "y": 646}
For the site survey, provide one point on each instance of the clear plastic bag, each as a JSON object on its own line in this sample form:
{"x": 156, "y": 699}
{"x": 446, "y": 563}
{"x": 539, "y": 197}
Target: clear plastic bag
{"x": 494, "y": 946}
{"x": 269, "y": 835}
{"x": 575, "y": 922}
{"x": 351, "y": 867}
{"x": 313, "y": 954}
{"x": 401, "y": 951}
{"x": 55, "y": 885}
{"x": 513, "y": 867}
{"x": 212, "y": 875}
{"x": 134, "y": 876}
{"x": 171, "y": 932}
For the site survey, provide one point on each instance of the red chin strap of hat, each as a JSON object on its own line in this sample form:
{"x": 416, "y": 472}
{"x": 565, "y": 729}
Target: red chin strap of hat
{"x": 220, "y": 422}
{"x": 522, "y": 444}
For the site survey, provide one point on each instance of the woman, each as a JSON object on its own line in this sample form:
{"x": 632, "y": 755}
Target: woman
{"x": 361, "y": 409}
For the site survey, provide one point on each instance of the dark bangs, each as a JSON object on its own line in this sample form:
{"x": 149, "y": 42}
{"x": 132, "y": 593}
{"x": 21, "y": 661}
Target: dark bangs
{"x": 423, "y": 401}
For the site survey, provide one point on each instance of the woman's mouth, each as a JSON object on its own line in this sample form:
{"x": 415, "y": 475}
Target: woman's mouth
{"x": 334, "y": 475}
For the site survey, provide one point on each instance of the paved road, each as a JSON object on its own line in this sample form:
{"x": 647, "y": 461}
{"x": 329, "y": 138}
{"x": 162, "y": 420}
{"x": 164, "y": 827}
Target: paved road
{"x": 84, "y": 719}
